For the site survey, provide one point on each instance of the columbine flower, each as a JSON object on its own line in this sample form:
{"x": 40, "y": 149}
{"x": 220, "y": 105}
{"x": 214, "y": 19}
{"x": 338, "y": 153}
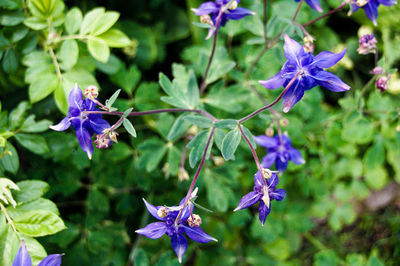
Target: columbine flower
{"x": 310, "y": 71}
{"x": 263, "y": 192}
{"x": 382, "y": 83}
{"x": 367, "y": 44}
{"x": 84, "y": 124}
{"x": 24, "y": 259}
{"x": 314, "y": 4}
{"x": 371, "y": 7}
{"x": 209, "y": 12}
{"x": 187, "y": 223}
{"x": 278, "y": 152}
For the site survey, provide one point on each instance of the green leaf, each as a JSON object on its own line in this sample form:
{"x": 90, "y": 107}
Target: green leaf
{"x": 10, "y": 161}
{"x": 326, "y": 258}
{"x": 198, "y": 144}
{"x": 11, "y": 18}
{"x": 193, "y": 94}
{"x": 35, "y": 249}
{"x": 5, "y": 193}
{"x": 39, "y": 223}
{"x": 113, "y": 65}
{"x": 35, "y": 23}
{"x": 31, "y": 126}
{"x": 127, "y": 79}
{"x": 128, "y": 126}
{"x": 110, "y": 102}
{"x": 375, "y": 155}
{"x": 248, "y": 134}
{"x": 30, "y": 190}
{"x": 152, "y": 151}
{"x": 10, "y": 61}
{"x": 9, "y": 242}
{"x": 42, "y": 87}
{"x": 140, "y": 258}
{"x": 226, "y": 123}
{"x": 357, "y": 130}
{"x": 18, "y": 114}
{"x": 376, "y": 177}
{"x": 103, "y": 23}
{"x": 99, "y": 49}
{"x": 68, "y": 54}
{"x": 230, "y": 143}
{"x": 90, "y": 19}
{"x": 73, "y": 20}
{"x": 38, "y": 204}
{"x": 173, "y": 159}
{"x": 115, "y": 38}
{"x": 35, "y": 143}
{"x": 61, "y": 99}
{"x": 198, "y": 120}
{"x": 178, "y": 128}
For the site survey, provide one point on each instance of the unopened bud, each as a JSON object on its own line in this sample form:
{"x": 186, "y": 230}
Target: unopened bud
{"x": 233, "y": 6}
{"x": 102, "y": 142}
{"x": 398, "y": 128}
{"x": 183, "y": 174}
{"x": 367, "y": 44}
{"x": 91, "y": 92}
{"x": 218, "y": 160}
{"x": 266, "y": 173}
{"x": 309, "y": 47}
{"x": 162, "y": 212}
{"x": 193, "y": 130}
{"x": 269, "y": 132}
{"x": 194, "y": 220}
{"x": 376, "y": 71}
{"x": 382, "y": 83}
{"x": 206, "y": 19}
{"x": 113, "y": 136}
{"x": 361, "y": 3}
{"x": 165, "y": 169}
{"x": 284, "y": 122}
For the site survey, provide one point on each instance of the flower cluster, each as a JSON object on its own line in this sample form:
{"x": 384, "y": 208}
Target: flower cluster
{"x": 371, "y": 7}
{"x": 308, "y": 70}
{"x": 24, "y": 259}
{"x": 224, "y": 9}
{"x": 264, "y": 191}
{"x": 367, "y": 44}
{"x": 279, "y": 151}
{"x": 175, "y": 227}
{"x": 85, "y": 124}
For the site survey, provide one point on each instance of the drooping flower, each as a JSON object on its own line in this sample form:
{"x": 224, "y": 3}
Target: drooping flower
{"x": 371, "y": 7}
{"x": 263, "y": 192}
{"x": 279, "y": 151}
{"x": 188, "y": 223}
{"x": 314, "y": 4}
{"x": 309, "y": 70}
{"x": 382, "y": 83}
{"x": 85, "y": 125}
{"x": 209, "y": 12}
{"x": 367, "y": 44}
{"x": 24, "y": 259}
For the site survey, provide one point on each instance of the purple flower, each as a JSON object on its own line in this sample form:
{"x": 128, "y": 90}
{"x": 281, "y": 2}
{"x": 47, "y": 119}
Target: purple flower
{"x": 367, "y": 44}
{"x": 175, "y": 229}
{"x": 23, "y": 259}
{"x": 382, "y": 83}
{"x": 85, "y": 125}
{"x": 314, "y": 4}
{"x": 371, "y": 7}
{"x": 209, "y": 12}
{"x": 263, "y": 192}
{"x": 279, "y": 152}
{"x": 310, "y": 71}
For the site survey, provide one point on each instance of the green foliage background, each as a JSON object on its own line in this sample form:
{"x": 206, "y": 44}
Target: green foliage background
{"x": 349, "y": 140}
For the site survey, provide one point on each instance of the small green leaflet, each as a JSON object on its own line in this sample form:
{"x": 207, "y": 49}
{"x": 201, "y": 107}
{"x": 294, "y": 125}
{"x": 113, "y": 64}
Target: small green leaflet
{"x": 112, "y": 99}
{"x": 129, "y": 127}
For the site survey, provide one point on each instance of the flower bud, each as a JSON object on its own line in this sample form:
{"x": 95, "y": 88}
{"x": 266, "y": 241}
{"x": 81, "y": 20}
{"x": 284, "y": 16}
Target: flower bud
{"x": 382, "y": 82}
{"x": 113, "y": 136}
{"x": 269, "y": 132}
{"x": 193, "y": 130}
{"x": 91, "y": 92}
{"x": 309, "y": 44}
{"x": 376, "y": 71}
{"x": 162, "y": 212}
{"x": 367, "y": 44}
{"x": 218, "y": 160}
{"x": 284, "y": 122}
{"x": 266, "y": 173}
{"x": 183, "y": 174}
{"x": 102, "y": 142}
{"x": 233, "y": 6}
{"x": 398, "y": 128}
{"x": 206, "y": 19}
{"x": 194, "y": 220}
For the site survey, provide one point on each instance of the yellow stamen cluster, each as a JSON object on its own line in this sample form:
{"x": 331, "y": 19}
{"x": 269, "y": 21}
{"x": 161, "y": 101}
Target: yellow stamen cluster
{"x": 194, "y": 220}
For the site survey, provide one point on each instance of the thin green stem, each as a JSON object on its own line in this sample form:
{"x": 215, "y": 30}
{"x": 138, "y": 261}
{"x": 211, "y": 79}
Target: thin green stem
{"x": 359, "y": 107}
{"x": 266, "y": 107}
{"x": 4, "y": 210}
{"x": 265, "y": 20}
{"x": 56, "y": 64}
{"x": 203, "y": 159}
{"x": 297, "y": 11}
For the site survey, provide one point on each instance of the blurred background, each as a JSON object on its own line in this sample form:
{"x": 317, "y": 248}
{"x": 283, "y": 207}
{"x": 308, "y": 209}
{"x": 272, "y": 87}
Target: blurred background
{"x": 342, "y": 206}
